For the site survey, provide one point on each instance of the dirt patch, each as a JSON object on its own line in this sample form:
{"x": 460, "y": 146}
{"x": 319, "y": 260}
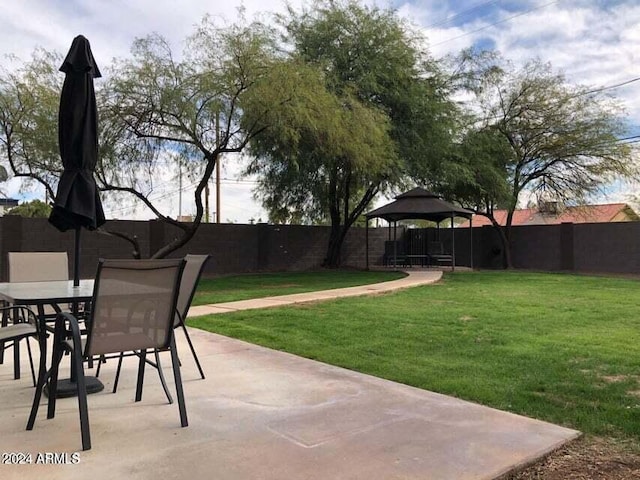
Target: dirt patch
{"x": 467, "y": 318}
{"x": 588, "y": 458}
{"x": 618, "y": 378}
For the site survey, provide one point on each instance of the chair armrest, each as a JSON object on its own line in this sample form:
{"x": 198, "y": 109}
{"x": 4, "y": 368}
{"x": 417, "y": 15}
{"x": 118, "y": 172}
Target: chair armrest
{"x": 24, "y": 317}
{"x": 24, "y": 308}
{"x": 62, "y": 319}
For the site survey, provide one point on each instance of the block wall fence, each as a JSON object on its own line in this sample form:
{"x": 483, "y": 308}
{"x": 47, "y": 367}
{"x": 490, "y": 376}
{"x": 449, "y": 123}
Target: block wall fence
{"x": 598, "y": 248}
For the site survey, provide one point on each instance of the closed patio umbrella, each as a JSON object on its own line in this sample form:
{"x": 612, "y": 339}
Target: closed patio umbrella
{"x": 77, "y": 204}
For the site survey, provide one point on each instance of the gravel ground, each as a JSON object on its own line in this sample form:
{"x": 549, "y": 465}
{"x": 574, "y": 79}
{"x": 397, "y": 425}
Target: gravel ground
{"x": 588, "y": 458}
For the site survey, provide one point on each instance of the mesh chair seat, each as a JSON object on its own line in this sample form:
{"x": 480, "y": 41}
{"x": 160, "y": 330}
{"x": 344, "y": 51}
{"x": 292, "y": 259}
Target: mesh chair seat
{"x": 127, "y": 342}
{"x": 23, "y": 328}
{"x": 16, "y": 331}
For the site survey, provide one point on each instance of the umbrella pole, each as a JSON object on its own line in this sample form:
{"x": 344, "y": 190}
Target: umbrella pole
{"x": 76, "y": 259}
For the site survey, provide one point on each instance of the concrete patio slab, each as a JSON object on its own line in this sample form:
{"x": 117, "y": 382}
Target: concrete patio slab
{"x": 263, "y": 414}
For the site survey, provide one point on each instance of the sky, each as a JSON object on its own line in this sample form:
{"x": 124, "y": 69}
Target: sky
{"x": 593, "y": 42}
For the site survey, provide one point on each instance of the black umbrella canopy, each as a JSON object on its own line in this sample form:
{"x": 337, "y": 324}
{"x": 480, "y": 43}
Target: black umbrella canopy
{"x": 77, "y": 203}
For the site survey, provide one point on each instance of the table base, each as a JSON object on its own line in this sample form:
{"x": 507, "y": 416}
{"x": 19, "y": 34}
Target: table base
{"x": 67, "y": 388}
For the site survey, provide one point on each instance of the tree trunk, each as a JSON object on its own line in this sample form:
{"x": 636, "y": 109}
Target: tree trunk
{"x": 504, "y": 233}
{"x": 507, "y": 262}
{"x": 336, "y": 240}
{"x": 340, "y": 225}
{"x": 332, "y": 258}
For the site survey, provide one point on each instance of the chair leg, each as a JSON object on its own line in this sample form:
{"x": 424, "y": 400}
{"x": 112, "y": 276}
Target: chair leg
{"x": 53, "y": 380}
{"x": 82, "y": 403}
{"x": 3, "y": 322}
{"x": 178, "y": 379}
{"x": 33, "y": 371}
{"x": 141, "y": 365}
{"x": 16, "y": 359}
{"x": 100, "y": 361}
{"x": 162, "y": 379}
{"x": 193, "y": 351}
{"x": 115, "y": 382}
{"x": 42, "y": 378}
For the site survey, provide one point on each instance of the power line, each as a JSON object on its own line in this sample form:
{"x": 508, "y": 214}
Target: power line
{"x": 504, "y": 20}
{"x": 230, "y": 181}
{"x": 160, "y": 196}
{"x": 609, "y": 87}
{"x": 459, "y": 14}
{"x": 629, "y": 140}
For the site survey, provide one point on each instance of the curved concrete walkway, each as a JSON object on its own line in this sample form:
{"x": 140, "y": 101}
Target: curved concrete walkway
{"x": 413, "y": 279}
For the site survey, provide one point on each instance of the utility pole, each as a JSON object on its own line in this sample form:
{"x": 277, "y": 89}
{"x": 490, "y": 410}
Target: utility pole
{"x": 218, "y": 188}
{"x": 218, "y": 159}
{"x": 179, "y": 189}
{"x": 206, "y": 202}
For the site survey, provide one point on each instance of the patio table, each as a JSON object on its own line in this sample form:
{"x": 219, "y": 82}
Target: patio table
{"x": 53, "y": 293}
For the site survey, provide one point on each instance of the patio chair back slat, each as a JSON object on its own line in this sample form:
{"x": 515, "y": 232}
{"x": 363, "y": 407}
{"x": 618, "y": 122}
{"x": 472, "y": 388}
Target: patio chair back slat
{"x": 190, "y": 277}
{"x": 38, "y": 266}
{"x": 133, "y": 306}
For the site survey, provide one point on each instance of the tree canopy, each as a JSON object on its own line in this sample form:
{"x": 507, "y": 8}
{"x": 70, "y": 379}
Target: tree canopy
{"x": 538, "y": 134}
{"x": 33, "y": 208}
{"x": 29, "y": 98}
{"x": 378, "y": 106}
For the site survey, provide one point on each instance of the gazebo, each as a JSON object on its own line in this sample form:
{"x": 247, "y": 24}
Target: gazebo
{"x": 419, "y": 204}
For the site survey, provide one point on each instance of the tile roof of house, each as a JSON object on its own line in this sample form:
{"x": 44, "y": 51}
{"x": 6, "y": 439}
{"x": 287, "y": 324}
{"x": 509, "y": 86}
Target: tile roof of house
{"x": 581, "y": 214}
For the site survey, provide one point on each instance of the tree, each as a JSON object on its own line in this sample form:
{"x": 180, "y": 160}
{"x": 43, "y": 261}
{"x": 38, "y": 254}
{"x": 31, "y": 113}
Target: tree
{"x": 29, "y": 97}
{"x": 541, "y": 135}
{"x": 192, "y": 109}
{"x": 325, "y": 159}
{"x": 153, "y": 109}
{"x": 33, "y": 208}
{"x": 380, "y": 107}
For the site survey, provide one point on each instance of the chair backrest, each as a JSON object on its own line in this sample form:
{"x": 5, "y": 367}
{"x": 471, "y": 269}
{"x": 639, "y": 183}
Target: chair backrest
{"x": 436, "y": 248}
{"x": 38, "y": 266}
{"x": 190, "y": 277}
{"x": 389, "y": 248}
{"x": 134, "y": 304}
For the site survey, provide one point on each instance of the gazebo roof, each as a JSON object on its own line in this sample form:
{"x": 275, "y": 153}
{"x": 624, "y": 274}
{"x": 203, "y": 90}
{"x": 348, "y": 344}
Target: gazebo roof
{"x": 418, "y": 203}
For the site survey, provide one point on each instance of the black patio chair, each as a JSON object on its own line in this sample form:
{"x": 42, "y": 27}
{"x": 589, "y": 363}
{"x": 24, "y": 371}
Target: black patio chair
{"x": 190, "y": 277}
{"x": 133, "y": 308}
{"x": 437, "y": 255}
{"x": 31, "y": 267}
{"x": 19, "y": 323}
{"x": 395, "y": 254}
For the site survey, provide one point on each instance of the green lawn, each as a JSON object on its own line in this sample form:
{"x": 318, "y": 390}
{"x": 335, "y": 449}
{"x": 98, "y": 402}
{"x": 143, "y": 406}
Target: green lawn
{"x": 243, "y": 287}
{"x": 561, "y": 348}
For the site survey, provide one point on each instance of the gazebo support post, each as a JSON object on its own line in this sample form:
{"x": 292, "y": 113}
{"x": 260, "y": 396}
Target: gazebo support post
{"x": 395, "y": 245}
{"x": 453, "y": 247}
{"x": 471, "y": 241}
{"x": 366, "y": 242}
